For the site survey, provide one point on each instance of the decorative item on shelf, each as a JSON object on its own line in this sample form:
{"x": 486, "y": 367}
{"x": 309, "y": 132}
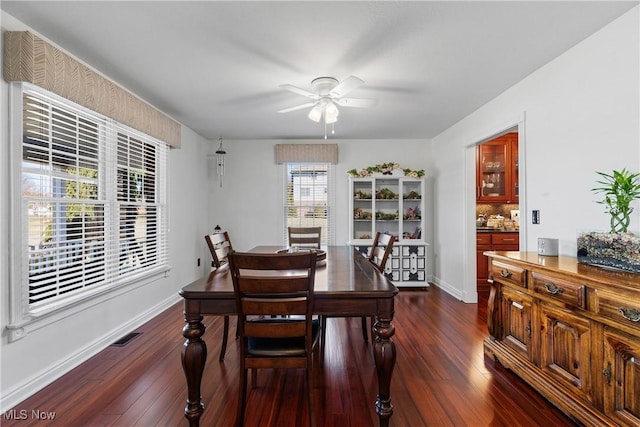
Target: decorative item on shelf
{"x": 385, "y": 194}
{"x": 412, "y": 213}
{"x": 220, "y": 153}
{"x": 385, "y": 169}
{"x": 361, "y": 214}
{"x": 618, "y": 248}
{"x": 362, "y": 195}
{"x": 413, "y": 195}
{"x": 385, "y": 216}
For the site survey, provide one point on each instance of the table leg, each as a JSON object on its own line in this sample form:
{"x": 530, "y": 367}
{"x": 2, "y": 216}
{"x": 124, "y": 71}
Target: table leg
{"x": 194, "y": 356}
{"x": 384, "y": 353}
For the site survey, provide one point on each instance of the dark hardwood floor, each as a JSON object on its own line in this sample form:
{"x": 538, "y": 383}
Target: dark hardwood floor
{"x": 441, "y": 378}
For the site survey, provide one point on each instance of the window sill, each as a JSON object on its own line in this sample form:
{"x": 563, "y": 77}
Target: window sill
{"x": 44, "y": 316}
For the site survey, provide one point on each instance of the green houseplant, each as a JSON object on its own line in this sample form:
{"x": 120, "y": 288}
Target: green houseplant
{"x": 620, "y": 189}
{"x": 618, "y": 248}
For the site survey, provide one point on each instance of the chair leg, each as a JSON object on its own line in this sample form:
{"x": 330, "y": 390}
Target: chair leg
{"x": 312, "y": 417}
{"x": 225, "y": 338}
{"x": 242, "y": 398}
{"x": 323, "y": 336}
{"x": 365, "y": 334}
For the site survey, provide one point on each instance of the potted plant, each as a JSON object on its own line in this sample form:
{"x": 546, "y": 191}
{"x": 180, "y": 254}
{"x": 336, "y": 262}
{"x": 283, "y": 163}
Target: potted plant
{"x": 618, "y": 248}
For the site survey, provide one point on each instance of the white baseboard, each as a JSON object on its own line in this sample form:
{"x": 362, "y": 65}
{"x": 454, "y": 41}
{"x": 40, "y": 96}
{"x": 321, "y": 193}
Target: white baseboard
{"x": 38, "y": 381}
{"x": 448, "y": 288}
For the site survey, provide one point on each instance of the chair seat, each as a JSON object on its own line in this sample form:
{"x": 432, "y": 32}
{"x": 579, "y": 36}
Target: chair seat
{"x": 273, "y": 347}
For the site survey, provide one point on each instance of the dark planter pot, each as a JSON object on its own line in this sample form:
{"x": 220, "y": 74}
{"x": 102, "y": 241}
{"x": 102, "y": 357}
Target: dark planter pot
{"x": 619, "y": 251}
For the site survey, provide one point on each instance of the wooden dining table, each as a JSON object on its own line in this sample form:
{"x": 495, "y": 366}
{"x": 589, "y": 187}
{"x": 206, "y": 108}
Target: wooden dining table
{"x": 346, "y": 285}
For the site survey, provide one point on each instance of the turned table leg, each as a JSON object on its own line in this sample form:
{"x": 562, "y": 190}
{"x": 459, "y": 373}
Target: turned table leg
{"x": 194, "y": 356}
{"x": 384, "y": 353}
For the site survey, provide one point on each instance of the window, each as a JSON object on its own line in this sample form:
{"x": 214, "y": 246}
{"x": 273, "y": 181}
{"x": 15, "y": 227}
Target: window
{"x": 93, "y": 209}
{"x": 308, "y": 197}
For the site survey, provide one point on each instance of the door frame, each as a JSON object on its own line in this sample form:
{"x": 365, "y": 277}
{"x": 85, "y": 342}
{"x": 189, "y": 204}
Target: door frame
{"x": 492, "y": 131}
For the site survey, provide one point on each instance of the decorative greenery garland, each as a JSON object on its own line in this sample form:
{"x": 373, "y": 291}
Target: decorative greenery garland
{"x": 385, "y": 169}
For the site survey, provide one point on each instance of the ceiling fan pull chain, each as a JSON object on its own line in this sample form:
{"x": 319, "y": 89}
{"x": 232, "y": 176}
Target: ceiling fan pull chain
{"x": 325, "y": 130}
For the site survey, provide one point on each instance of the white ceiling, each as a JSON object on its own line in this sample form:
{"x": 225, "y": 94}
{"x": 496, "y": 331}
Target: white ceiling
{"x": 217, "y": 66}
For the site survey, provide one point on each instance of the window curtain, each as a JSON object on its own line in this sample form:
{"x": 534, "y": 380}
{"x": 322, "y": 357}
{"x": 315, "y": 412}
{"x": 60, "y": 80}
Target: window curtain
{"x": 306, "y": 153}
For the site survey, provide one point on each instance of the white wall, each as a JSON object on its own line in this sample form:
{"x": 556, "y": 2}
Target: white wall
{"x": 249, "y": 205}
{"x": 578, "y": 114}
{"x": 41, "y": 356}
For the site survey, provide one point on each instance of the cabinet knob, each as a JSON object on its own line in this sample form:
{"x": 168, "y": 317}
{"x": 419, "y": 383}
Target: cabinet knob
{"x": 630, "y": 314}
{"x": 505, "y": 273}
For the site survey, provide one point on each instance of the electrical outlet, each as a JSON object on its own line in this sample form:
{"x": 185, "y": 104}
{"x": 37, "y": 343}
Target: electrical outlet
{"x": 535, "y": 217}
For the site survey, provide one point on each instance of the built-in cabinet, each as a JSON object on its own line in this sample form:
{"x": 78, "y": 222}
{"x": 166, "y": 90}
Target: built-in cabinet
{"x": 393, "y": 205}
{"x": 571, "y": 331}
{"x": 491, "y": 241}
{"x": 497, "y": 170}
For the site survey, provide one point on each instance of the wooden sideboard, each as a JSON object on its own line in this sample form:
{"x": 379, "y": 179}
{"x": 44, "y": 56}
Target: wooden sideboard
{"x": 571, "y": 331}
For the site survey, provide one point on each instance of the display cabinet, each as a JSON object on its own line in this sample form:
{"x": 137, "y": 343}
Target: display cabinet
{"x": 393, "y": 205}
{"x": 497, "y": 170}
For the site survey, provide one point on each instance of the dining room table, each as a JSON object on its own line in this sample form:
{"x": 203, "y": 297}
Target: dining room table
{"x": 346, "y": 285}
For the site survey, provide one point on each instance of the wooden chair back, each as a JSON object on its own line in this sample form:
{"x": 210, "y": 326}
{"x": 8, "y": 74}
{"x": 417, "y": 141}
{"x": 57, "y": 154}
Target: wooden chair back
{"x": 381, "y": 249}
{"x": 274, "y": 301}
{"x": 220, "y": 246}
{"x": 307, "y": 237}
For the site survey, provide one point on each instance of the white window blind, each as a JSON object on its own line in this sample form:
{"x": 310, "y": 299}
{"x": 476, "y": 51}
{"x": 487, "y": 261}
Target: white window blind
{"x": 93, "y": 210}
{"x": 308, "y": 201}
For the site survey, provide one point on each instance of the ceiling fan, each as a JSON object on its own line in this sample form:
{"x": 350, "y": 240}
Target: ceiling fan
{"x": 327, "y": 93}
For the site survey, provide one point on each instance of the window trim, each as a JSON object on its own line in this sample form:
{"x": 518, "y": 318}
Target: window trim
{"x": 22, "y": 318}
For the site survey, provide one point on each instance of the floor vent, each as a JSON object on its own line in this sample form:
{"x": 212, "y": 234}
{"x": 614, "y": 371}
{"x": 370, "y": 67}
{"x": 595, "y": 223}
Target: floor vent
{"x": 126, "y": 339}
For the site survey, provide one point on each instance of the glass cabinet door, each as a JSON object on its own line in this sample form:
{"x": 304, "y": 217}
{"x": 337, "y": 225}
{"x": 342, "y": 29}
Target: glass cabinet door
{"x": 362, "y": 210}
{"x": 411, "y": 210}
{"x": 497, "y": 170}
{"x": 492, "y": 172}
{"x": 387, "y": 213}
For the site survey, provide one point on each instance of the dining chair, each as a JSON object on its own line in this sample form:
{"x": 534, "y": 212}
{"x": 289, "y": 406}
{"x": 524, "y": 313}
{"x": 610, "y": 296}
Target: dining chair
{"x": 274, "y": 301}
{"x": 220, "y": 246}
{"x": 380, "y": 251}
{"x": 305, "y": 237}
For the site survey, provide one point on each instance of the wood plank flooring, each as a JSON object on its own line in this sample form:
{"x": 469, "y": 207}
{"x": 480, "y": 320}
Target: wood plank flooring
{"x": 441, "y": 378}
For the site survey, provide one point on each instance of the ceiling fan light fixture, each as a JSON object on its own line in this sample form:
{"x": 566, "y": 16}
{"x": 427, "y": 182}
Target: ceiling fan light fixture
{"x": 331, "y": 112}
{"x": 330, "y": 118}
{"x": 316, "y": 113}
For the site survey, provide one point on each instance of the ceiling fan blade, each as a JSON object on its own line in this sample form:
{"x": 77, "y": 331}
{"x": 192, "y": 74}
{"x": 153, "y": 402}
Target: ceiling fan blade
{"x": 297, "y": 107}
{"x": 356, "y": 102}
{"x": 300, "y": 91}
{"x": 346, "y": 86}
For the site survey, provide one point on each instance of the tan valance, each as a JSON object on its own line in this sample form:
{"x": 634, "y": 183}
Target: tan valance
{"x": 28, "y": 58}
{"x": 306, "y": 153}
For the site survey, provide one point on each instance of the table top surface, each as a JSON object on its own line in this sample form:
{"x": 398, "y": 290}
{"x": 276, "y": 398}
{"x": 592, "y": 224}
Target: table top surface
{"x": 344, "y": 273}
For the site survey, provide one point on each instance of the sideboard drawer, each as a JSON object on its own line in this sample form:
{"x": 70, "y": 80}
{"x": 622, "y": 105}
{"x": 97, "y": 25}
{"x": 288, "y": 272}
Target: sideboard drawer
{"x": 560, "y": 289}
{"x": 621, "y": 307}
{"x": 508, "y": 273}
